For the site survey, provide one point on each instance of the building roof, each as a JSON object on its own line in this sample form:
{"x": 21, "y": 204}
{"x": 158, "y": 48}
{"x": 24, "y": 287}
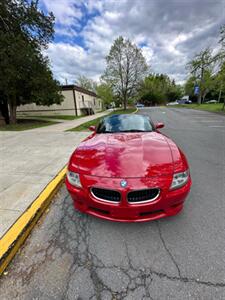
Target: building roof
{"x": 78, "y": 88}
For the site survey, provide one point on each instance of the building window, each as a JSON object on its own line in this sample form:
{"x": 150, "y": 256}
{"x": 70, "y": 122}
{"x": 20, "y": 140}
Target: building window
{"x": 83, "y": 99}
{"x": 94, "y": 101}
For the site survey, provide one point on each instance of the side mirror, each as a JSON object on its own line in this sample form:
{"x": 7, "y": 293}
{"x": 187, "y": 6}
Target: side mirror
{"x": 159, "y": 125}
{"x": 92, "y": 128}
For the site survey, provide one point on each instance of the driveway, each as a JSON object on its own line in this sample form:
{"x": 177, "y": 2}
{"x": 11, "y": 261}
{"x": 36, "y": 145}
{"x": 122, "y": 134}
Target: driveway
{"x": 74, "y": 256}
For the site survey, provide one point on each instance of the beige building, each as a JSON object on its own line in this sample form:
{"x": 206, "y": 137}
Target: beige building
{"x": 77, "y": 101}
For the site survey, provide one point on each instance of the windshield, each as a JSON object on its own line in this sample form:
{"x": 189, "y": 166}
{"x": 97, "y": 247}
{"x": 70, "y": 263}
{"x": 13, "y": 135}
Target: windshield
{"x": 125, "y": 123}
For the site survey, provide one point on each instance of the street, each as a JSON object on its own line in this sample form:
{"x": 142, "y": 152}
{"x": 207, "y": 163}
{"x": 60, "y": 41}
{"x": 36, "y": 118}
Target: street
{"x": 74, "y": 256}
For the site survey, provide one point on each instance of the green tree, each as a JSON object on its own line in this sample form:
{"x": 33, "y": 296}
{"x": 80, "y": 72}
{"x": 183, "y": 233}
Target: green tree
{"x": 201, "y": 67}
{"x": 174, "y": 91}
{"x": 190, "y": 85}
{"x": 158, "y": 89}
{"x": 220, "y": 84}
{"x": 221, "y": 73}
{"x": 222, "y": 37}
{"x": 208, "y": 72}
{"x": 126, "y": 67}
{"x": 104, "y": 91}
{"x": 25, "y": 76}
{"x": 207, "y": 85}
{"x": 86, "y": 83}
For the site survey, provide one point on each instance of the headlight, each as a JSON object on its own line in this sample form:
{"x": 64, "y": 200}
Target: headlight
{"x": 179, "y": 180}
{"x": 74, "y": 178}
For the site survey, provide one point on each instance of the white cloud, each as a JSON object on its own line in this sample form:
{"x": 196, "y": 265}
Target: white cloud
{"x": 70, "y": 61}
{"x": 67, "y": 32}
{"x": 93, "y": 5}
{"x": 65, "y": 11}
{"x": 148, "y": 54}
{"x": 169, "y": 32}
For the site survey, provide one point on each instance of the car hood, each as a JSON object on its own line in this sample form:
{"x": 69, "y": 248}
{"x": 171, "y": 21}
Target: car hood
{"x": 124, "y": 155}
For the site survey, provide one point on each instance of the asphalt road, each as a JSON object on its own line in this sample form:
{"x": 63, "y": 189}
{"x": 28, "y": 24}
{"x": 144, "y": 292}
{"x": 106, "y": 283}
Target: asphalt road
{"x": 73, "y": 256}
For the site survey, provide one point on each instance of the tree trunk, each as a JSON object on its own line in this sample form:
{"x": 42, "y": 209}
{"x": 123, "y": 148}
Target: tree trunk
{"x": 4, "y": 110}
{"x": 204, "y": 95}
{"x": 203, "y": 98}
{"x": 220, "y": 93}
{"x": 12, "y": 111}
{"x": 6, "y": 113}
{"x": 201, "y": 84}
{"x": 223, "y": 104}
{"x": 125, "y": 103}
{"x": 199, "y": 98}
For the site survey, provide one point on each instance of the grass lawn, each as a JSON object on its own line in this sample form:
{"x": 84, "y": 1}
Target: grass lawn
{"x": 214, "y": 107}
{"x": 25, "y": 124}
{"x": 85, "y": 126}
{"x": 58, "y": 117}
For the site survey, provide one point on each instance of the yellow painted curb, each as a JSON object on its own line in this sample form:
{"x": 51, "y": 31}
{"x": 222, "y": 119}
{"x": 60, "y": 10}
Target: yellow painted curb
{"x": 134, "y": 112}
{"x": 19, "y": 231}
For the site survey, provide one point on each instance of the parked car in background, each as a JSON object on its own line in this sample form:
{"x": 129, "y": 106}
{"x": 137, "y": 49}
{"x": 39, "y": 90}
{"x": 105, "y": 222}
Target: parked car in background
{"x": 188, "y": 102}
{"x": 184, "y": 101}
{"x": 139, "y": 105}
{"x": 172, "y": 103}
{"x": 211, "y": 101}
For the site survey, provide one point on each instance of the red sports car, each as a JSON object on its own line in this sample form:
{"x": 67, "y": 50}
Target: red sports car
{"x": 128, "y": 171}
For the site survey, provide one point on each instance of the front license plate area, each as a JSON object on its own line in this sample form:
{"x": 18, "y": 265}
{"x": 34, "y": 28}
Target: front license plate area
{"x": 124, "y": 213}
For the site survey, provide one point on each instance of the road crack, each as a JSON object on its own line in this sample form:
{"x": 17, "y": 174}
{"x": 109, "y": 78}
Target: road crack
{"x": 167, "y": 249}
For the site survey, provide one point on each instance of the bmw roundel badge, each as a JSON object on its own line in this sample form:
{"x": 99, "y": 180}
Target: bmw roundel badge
{"x": 123, "y": 183}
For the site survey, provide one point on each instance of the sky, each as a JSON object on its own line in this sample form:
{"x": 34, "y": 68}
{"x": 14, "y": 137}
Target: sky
{"x": 170, "y": 33}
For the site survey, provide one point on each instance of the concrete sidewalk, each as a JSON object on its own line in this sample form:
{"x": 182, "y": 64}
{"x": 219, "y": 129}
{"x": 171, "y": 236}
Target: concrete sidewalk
{"x": 65, "y": 125}
{"x": 29, "y": 160}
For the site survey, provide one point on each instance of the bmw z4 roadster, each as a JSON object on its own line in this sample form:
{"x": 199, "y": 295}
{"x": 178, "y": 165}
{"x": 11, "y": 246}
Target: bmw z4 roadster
{"x": 128, "y": 171}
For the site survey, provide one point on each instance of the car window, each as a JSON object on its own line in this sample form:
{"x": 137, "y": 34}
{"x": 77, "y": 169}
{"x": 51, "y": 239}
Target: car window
{"x": 125, "y": 123}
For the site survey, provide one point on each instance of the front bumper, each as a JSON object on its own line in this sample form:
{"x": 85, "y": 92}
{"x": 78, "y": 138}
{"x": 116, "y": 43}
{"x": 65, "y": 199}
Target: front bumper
{"x": 168, "y": 203}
